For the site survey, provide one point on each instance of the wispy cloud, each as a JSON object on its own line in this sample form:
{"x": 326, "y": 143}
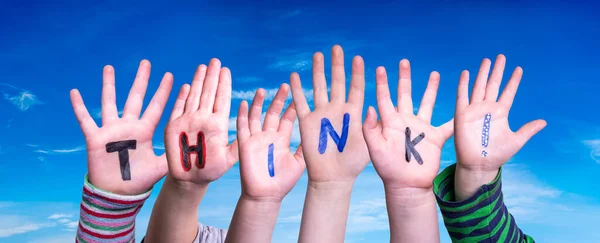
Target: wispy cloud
{"x": 269, "y": 94}
{"x": 594, "y": 146}
{"x": 292, "y": 61}
{"x": 59, "y": 216}
{"x": 21, "y": 98}
{"x": 21, "y": 229}
{"x": 97, "y": 113}
{"x": 60, "y": 151}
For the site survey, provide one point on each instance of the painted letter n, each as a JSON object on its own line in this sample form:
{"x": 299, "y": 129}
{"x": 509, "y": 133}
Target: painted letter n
{"x": 327, "y": 128}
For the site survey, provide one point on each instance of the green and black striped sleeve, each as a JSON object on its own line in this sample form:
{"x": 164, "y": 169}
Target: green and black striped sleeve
{"x": 481, "y": 218}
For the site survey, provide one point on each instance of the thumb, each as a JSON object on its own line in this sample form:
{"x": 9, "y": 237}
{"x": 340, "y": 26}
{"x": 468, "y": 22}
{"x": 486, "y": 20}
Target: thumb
{"x": 299, "y": 155}
{"x": 372, "y": 128}
{"x": 528, "y": 130}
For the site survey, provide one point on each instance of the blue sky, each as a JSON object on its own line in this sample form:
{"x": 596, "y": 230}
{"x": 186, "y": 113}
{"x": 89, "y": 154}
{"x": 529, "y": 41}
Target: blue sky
{"x": 47, "y": 49}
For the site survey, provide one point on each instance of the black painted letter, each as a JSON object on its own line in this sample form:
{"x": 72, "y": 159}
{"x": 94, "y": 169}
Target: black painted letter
{"x": 410, "y": 146}
{"x": 123, "y": 148}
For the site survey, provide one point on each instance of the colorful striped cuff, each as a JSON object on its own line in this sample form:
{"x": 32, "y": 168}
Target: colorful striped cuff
{"x": 107, "y": 217}
{"x": 482, "y": 217}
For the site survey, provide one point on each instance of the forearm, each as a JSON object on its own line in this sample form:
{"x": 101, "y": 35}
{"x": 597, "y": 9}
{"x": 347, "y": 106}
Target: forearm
{"x": 468, "y": 181}
{"x": 175, "y": 213}
{"x": 325, "y": 212}
{"x": 108, "y": 217}
{"x": 412, "y": 214}
{"x": 253, "y": 221}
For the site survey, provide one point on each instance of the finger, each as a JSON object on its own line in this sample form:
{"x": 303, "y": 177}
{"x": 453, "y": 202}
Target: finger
{"x": 233, "y": 155}
{"x": 447, "y": 129}
{"x": 493, "y": 84}
{"x": 319, "y": 82}
{"x": 179, "y": 106}
{"x": 135, "y": 100}
{"x": 404, "y": 88}
{"x": 299, "y": 155}
{"x": 243, "y": 131}
{"x": 223, "y": 100}
{"x": 87, "y": 124}
{"x": 338, "y": 75}
{"x": 193, "y": 101}
{"x": 298, "y": 96}
{"x": 109, "y": 95}
{"x": 462, "y": 95}
{"x": 256, "y": 110}
{"x": 528, "y": 130}
{"x": 286, "y": 125}
{"x": 157, "y": 104}
{"x": 274, "y": 112}
{"x": 428, "y": 101}
{"x": 372, "y": 128}
{"x": 356, "y": 96}
{"x": 480, "y": 81}
{"x": 508, "y": 95}
{"x": 209, "y": 89}
{"x": 384, "y": 102}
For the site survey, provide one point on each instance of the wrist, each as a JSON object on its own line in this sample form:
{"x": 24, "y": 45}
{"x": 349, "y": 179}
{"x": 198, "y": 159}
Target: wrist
{"x": 261, "y": 206}
{"x": 409, "y": 197}
{"x": 185, "y": 191}
{"x": 468, "y": 180}
{"x": 331, "y": 186}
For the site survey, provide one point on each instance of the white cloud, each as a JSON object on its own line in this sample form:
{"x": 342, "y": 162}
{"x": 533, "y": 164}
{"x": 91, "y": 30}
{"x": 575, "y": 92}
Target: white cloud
{"x": 97, "y": 113}
{"x": 60, "y": 151}
{"x": 292, "y": 61}
{"x": 269, "y": 94}
{"x": 594, "y": 146}
{"x": 22, "y": 99}
{"x": 21, "y": 229}
{"x": 55, "y": 239}
{"x": 59, "y": 216}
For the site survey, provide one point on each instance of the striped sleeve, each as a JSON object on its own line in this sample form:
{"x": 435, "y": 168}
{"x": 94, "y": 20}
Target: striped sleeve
{"x": 481, "y": 218}
{"x": 107, "y": 217}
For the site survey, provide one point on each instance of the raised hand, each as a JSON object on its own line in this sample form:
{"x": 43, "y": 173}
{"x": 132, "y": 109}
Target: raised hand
{"x": 483, "y": 139}
{"x": 333, "y": 145}
{"x": 197, "y": 153}
{"x": 269, "y": 170}
{"x": 332, "y": 139}
{"x": 405, "y": 148}
{"x": 196, "y": 135}
{"x": 120, "y": 155}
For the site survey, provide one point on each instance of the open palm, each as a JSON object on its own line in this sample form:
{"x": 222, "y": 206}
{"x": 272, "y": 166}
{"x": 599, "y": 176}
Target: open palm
{"x": 203, "y": 108}
{"x": 261, "y": 178}
{"x": 345, "y": 159}
{"x": 387, "y": 139}
{"x": 144, "y": 168}
{"x": 474, "y": 149}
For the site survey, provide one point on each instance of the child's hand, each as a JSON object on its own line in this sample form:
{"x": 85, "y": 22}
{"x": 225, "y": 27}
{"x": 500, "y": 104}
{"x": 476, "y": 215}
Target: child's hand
{"x": 405, "y": 149}
{"x": 483, "y": 138}
{"x": 332, "y": 140}
{"x": 196, "y": 136}
{"x": 269, "y": 170}
{"x": 120, "y": 155}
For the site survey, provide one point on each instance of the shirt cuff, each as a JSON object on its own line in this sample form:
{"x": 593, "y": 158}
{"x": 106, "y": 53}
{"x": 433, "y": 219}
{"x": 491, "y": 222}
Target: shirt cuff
{"x": 481, "y": 217}
{"x": 108, "y": 217}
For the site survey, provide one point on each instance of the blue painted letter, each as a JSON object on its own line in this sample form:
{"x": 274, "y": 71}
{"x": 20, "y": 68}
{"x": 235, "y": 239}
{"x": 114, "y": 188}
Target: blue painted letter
{"x": 327, "y": 128}
{"x": 271, "y": 166}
